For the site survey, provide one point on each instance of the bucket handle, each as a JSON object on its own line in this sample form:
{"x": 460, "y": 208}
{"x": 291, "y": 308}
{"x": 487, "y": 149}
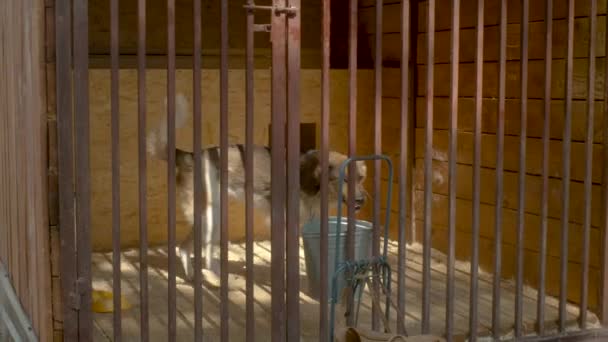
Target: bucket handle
{"x": 341, "y": 177}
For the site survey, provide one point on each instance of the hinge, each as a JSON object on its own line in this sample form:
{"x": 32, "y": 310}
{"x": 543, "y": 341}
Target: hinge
{"x": 78, "y": 289}
{"x": 277, "y": 10}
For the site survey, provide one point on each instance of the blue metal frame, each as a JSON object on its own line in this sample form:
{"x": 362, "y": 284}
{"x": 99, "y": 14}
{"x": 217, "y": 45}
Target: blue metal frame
{"x": 361, "y": 265}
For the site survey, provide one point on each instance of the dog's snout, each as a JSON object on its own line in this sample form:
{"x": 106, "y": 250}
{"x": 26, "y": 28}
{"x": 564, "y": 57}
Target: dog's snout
{"x": 360, "y": 200}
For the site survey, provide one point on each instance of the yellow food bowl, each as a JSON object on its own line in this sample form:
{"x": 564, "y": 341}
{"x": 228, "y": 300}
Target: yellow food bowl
{"x": 103, "y": 301}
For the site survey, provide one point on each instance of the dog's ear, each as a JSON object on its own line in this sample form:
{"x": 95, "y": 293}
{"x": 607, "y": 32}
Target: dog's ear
{"x": 333, "y": 167}
{"x": 310, "y": 173}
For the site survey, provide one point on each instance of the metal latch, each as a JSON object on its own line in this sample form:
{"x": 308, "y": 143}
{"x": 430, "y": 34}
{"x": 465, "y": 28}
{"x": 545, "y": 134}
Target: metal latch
{"x": 262, "y": 27}
{"x": 277, "y": 10}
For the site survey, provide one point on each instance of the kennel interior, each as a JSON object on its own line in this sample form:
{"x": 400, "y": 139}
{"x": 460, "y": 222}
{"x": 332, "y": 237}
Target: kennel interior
{"x": 444, "y": 219}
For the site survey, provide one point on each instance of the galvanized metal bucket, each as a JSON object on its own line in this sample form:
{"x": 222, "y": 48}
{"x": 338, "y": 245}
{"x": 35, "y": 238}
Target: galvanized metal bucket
{"x": 311, "y": 235}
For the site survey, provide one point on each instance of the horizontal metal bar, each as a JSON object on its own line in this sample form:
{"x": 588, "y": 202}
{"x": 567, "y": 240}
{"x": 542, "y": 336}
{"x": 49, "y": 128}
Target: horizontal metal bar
{"x": 290, "y": 10}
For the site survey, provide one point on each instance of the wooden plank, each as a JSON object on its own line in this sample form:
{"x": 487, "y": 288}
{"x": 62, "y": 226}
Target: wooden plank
{"x": 533, "y": 191}
{"x": 463, "y": 241}
{"x": 210, "y": 60}
{"x": 391, "y": 47}
{"x": 535, "y": 79}
{"x": 3, "y": 133}
{"x": 49, "y": 32}
{"x": 371, "y": 3}
{"x": 536, "y": 41}
{"x": 101, "y": 270}
{"x": 157, "y": 34}
{"x": 533, "y": 162}
{"x": 39, "y": 213}
{"x": 11, "y": 165}
{"x": 53, "y": 181}
{"x": 21, "y": 147}
{"x": 468, "y": 10}
{"x": 532, "y": 241}
{"x": 535, "y": 117}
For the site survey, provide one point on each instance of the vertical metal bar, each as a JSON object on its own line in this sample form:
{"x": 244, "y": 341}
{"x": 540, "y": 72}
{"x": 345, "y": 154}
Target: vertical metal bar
{"x": 500, "y": 147}
{"x": 293, "y": 173}
{"x": 377, "y": 147}
{"x": 352, "y": 121}
{"x": 428, "y": 176}
{"x": 142, "y": 163}
{"x": 171, "y": 168}
{"x": 198, "y": 172}
{"x": 82, "y": 142}
{"x": 452, "y": 177}
{"x": 544, "y": 202}
{"x": 224, "y": 314}
{"x": 249, "y": 133}
{"x": 403, "y": 162}
{"x": 63, "y": 52}
{"x": 352, "y": 133}
{"x": 522, "y": 169}
{"x": 279, "y": 108}
{"x": 115, "y": 128}
{"x": 473, "y": 306}
{"x": 566, "y": 141}
{"x": 588, "y": 164}
{"x": 323, "y": 297}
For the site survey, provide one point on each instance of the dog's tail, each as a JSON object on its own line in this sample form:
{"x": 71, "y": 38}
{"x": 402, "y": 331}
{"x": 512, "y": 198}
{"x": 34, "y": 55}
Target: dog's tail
{"x": 157, "y": 138}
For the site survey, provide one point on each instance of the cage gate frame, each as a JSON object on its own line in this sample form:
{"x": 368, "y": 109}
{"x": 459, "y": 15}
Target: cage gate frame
{"x": 72, "y": 97}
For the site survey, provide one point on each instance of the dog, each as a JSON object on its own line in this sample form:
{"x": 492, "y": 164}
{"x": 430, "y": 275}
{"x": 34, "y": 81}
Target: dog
{"x": 310, "y": 187}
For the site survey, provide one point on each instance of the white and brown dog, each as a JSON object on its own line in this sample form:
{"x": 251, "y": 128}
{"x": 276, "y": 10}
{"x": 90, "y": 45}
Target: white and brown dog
{"x": 310, "y": 173}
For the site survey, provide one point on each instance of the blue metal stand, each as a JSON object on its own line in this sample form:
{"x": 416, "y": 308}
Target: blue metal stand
{"x": 359, "y": 272}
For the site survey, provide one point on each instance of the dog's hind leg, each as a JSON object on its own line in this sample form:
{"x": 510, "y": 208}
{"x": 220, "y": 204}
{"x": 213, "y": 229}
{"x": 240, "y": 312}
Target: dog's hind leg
{"x": 186, "y": 248}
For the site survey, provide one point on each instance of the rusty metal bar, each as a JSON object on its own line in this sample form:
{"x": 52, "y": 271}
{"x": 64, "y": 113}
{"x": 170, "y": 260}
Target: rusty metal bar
{"x": 473, "y": 298}
{"x": 500, "y": 147}
{"x": 249, "y": 134}
{"x": 293, "y": 174}
{"x": 324, "y": 214}
{"x": 352, "y": 121}
{"x": 278, "y": 196}
{"x": 566, "y": 142}
{"x": 115, "y": 128}
{"x": 544, "y": 204}
{"x": 377, "y": 147}
{"x": 352, "y": 134}
{"x": 198, "y": 171}
{"x": 455, "y": 53}
{"x": 82, "y": 142}
{"x": 403, "y": 162}
{"x": 603, "y": 304}
{"x": 224, "y": 314}
{"x": 171, "y": 168}
{"x": 63, "y": 55}
{"x": 142, "y": 167}
{"x": 428, "y": 176}
{"x": 588, "y": 164}
{"x": 522, "y": 169}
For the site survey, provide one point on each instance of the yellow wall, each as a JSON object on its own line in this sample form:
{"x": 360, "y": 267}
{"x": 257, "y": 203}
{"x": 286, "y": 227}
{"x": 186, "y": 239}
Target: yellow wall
{"x": 156, "y": 89}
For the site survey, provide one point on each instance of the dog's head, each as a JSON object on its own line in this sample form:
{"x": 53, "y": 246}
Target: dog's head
{"x": 310, "y": 177}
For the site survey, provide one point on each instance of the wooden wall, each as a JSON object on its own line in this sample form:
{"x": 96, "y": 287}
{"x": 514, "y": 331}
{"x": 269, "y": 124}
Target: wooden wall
{"x": 391, "y": 50}
{"x": 156, "y": 34}
{"x": 156, "y": 89}
{"x": 24, "y": 247}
